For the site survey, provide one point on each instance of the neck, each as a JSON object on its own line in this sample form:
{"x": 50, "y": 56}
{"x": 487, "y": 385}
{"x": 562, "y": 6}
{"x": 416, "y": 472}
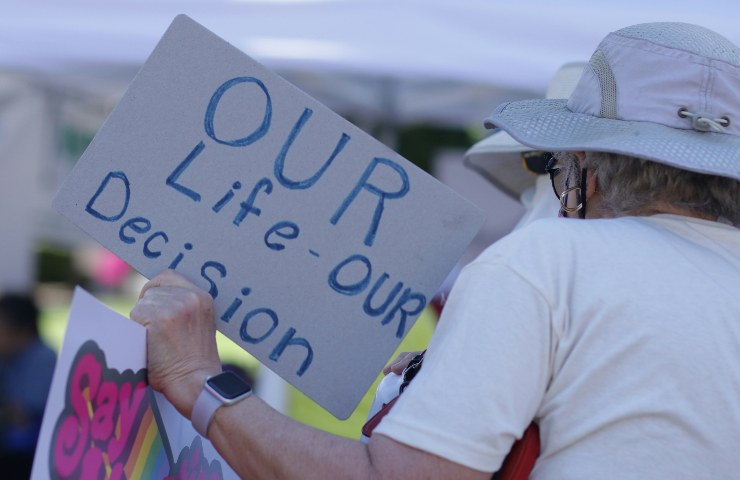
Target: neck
{"x": 595, "y": 210}
{"x": 670, "y": 210}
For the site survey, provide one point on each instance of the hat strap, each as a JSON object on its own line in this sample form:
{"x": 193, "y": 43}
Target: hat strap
{"x": 703, "y": 122}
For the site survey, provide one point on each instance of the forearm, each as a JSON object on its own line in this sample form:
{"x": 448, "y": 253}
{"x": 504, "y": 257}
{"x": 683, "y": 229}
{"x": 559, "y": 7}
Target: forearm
{"x": 254, "y": 439}
{"x": 258, "y": 442}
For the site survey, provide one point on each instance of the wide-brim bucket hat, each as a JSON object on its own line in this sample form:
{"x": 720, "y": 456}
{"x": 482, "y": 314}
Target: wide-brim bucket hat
{"x": 498, "y": 156}
{"x": 666, "y": 92}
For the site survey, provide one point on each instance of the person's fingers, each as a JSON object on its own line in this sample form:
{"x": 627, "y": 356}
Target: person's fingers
{"x": 399, "y": 367}
{"x": 399, "y": 364}
{"x": 170, "y": 278}
{"x": 167, "y": 295}
{"x": 387, "y": 368}
{"x": 161, "y": 303}
{"x": 160, "y": 306}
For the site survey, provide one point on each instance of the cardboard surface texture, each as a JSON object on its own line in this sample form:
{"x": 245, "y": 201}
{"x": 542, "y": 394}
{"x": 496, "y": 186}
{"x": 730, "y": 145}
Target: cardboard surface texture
{"x": 319, "y": 245}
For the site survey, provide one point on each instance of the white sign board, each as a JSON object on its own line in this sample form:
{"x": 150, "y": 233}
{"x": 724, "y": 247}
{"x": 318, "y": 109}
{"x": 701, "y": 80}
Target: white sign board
{"x": 101, "y": 418}
{"x": 319, "y": 245}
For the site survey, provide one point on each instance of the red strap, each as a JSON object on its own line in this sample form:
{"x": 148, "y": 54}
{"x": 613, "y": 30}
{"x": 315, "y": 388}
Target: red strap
{"x": 519, "y": 463}
{"x": 370, "y": 425}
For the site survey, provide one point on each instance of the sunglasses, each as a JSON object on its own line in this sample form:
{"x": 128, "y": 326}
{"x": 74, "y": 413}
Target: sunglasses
{"x": 536, "y": 162}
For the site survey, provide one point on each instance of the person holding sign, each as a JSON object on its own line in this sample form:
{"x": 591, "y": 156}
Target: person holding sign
{"x": 618, "y": 334}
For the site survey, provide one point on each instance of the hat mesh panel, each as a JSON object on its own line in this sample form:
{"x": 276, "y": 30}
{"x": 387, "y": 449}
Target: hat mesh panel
{"x": 607, "y": 83}
{"x": 686, "y": 37}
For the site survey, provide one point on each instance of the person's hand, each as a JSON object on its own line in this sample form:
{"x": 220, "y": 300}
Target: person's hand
{"x": 399, "y": 364}
{"x": 181, "y": 342}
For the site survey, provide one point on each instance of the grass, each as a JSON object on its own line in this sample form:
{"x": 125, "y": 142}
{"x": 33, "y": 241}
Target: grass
{"x": 54, "y": 320}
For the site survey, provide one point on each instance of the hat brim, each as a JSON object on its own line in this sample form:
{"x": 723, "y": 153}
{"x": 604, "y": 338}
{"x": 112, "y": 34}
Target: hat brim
{"x": 550, "y": 126}
{"x": 497, "y": 158}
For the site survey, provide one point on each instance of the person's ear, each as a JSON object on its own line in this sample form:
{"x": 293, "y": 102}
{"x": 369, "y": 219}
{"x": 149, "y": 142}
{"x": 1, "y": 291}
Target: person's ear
{"x": 592, "y": 180}
{"x": 592, "y": 183}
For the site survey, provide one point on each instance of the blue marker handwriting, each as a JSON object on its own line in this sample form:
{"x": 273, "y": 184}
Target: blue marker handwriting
{"x": 353, "y": 276}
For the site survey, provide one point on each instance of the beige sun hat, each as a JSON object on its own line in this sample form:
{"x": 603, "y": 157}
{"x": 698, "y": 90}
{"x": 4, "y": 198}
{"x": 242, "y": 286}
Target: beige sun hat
{"x": 666, "y": 92}
{"x": 497, "y": 157}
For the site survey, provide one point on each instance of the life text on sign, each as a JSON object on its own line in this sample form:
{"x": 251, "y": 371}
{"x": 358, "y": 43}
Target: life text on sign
{"x": 353, "y": 276}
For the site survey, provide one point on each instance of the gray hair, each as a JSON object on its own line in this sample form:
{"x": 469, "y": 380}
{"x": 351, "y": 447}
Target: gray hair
{"x": 630, "y": 185}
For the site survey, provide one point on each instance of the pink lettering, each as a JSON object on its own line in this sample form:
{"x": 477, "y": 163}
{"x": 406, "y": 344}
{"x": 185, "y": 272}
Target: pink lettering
{"x": 101, "y": 418}
{"x": 129, "y": 418}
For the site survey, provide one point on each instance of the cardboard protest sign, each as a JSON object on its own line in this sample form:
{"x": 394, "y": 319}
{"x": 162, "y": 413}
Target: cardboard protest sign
{"x": 101, "y": 419}
{"x": 319, "y": 245}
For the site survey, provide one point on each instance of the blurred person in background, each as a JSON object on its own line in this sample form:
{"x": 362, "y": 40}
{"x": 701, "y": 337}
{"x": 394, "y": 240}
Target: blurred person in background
{"x": 518, "y": 170}
{"x": 26, "y": 369}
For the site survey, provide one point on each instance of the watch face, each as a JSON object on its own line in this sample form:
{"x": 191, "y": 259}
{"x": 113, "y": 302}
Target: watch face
{"x": 229, "y": 385}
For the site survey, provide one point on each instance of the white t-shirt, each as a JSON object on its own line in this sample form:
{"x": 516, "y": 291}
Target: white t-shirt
{"x": 620, "y": 337}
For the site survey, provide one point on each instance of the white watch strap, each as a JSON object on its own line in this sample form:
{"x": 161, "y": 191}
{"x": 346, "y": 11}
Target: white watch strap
{"x": 203, "y": 411}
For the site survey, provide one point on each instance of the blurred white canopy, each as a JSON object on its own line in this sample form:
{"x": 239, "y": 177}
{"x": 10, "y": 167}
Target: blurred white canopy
{"x": 391, "y": 60}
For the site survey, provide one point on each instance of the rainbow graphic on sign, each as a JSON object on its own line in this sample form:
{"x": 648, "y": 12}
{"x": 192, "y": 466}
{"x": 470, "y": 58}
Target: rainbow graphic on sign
{"x": 148, "y": 458}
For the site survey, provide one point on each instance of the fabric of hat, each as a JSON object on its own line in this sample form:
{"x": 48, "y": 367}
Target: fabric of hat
{"x": 667, "y": 92}
{"x": 497, "y": 157}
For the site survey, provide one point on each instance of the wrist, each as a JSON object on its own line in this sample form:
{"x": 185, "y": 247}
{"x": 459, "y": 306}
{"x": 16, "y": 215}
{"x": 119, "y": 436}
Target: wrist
{"x": 222, "y": 390}
{"x": 183, "y": 393}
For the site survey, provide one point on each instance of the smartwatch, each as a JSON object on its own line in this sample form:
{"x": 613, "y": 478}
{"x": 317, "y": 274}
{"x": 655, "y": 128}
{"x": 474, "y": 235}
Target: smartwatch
{"x": 226, "y": 388}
